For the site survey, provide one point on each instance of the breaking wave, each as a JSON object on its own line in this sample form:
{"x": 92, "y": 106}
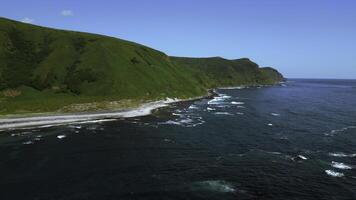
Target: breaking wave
{"x": 185, "y": 121}
{"x": 334, "y": 173}
{"x": 219, "y": 99}
{"x": 222, "y": 113}
{"x": 340, "y": 165}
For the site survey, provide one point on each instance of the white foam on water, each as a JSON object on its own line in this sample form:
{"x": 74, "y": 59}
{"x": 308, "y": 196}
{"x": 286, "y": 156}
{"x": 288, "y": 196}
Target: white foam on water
{"x": 28, "y": 142}
{"x": 240, "y": 107}
{"x": 237, "y": 103}
{"x": 336, "y": 131}
{"x": 171, "y": 122}
{"x": 222, "y": 113}
{"x": 275, "y": 114}
{"x": 61, "y": 136}
{"x": 302, "y": 157}
{"x": 334, "y": 173}
{"x": 210, "y": 109}
{"x": 219, "y": 99}
{"x": 167, "y": 140}
{"x": 20, "y": 134}
{"x": 75, "y": 126}
{"x": 240, "y": 113}
{"x": 185, "y": 121}
{"x": 269, "y": 124}
{"x": 193, "y": 107}
{"x": 273, "y": 152}
{"x": 340, "y": 165}
{"x": 214, "y": 185}
{"x": 340, "y": 154}
{"x": 38, "y": 138}
{"x": 222, "y": 106}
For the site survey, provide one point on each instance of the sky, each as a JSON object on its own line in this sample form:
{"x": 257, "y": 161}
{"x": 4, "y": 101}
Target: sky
{"x": 300, "y": 38}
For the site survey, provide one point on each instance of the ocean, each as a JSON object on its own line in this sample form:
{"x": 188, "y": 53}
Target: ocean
{"x": 295, "y": 140}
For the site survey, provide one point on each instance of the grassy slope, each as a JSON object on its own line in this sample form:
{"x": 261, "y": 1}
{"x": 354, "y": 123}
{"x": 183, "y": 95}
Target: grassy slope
{"x": 217, "y": 72}
{"x": 44, "y": 69}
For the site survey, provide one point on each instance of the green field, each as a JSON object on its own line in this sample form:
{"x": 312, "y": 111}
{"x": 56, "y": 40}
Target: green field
{"x": 49, "y": 70}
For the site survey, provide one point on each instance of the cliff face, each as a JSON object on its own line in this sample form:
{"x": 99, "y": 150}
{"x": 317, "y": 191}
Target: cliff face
{"x": 46, "y": 69}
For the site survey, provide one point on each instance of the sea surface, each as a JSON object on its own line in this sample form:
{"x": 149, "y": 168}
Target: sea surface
{"x": 295, "y": 140}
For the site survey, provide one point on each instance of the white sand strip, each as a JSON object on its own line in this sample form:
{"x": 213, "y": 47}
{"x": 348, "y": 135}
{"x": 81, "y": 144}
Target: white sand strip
{"x": 54, "y": 120}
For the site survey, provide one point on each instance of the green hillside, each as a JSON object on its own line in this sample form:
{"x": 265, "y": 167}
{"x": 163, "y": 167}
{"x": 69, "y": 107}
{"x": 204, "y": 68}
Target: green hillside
{"x": 46, "y": 70}
{"x": 219, "y": 72}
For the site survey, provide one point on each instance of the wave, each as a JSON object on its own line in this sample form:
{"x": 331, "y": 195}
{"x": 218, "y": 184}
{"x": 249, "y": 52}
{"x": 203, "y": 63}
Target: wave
{"x": 193, "y": 107}
{"x": 237, "y": 103}
{"x": 339, "y": 165}
{"x": 275, "y": 114}
{"x": 336, "y": 131}
{"x": 219, "y": 99}
{"x": 185, "y": 121}
{"x": 210, "y": 109}
{"x": 222, "y": 113}
{"x": 20, "y": 134}
{"x": 61, "y": 136}
{"x": 334, "y": 173}
{"x": 214, "y": 186}
{"x": 340, "y": 154}
{"x": 28, "y": 142}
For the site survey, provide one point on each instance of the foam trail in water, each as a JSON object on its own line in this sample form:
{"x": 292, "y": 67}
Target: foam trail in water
{"x": 214, "y": 185}
{"x": 334, "y": 173}
{"x": 185, "y": 121}
{"x": 27, "y": 142}
{"x": 340, "y": 154}
{"x": 336, "y": 131}
{"x": 339, "y": 165}
{"x": 237, "y": 103}
{"x": 61, "y": 136}
{"x": 193, "y": 107}
{"x": 222, "y": 113}
{"x": 219, "y": 99}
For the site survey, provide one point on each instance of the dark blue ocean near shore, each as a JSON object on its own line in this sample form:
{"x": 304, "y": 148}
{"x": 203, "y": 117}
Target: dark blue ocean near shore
{"x": 296, "y": 140}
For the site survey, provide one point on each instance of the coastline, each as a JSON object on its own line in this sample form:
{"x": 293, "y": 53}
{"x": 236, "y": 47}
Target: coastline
{"x": 42, "y": 120}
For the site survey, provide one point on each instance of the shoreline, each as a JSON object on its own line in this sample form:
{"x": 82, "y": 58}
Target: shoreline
{"x": 42, "y": 120}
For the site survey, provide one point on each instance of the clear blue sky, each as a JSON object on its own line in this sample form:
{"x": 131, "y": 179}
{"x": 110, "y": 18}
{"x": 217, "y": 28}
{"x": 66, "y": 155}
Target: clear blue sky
{"x": 301, "y": 38}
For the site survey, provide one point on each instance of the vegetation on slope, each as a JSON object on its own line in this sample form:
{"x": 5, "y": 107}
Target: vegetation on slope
{"x": 219, "y": 72}
{"x": 43, "y": 70}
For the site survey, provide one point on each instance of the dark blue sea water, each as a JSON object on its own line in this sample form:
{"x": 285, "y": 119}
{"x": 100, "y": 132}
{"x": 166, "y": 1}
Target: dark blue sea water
{"x": 291, "y": 141}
